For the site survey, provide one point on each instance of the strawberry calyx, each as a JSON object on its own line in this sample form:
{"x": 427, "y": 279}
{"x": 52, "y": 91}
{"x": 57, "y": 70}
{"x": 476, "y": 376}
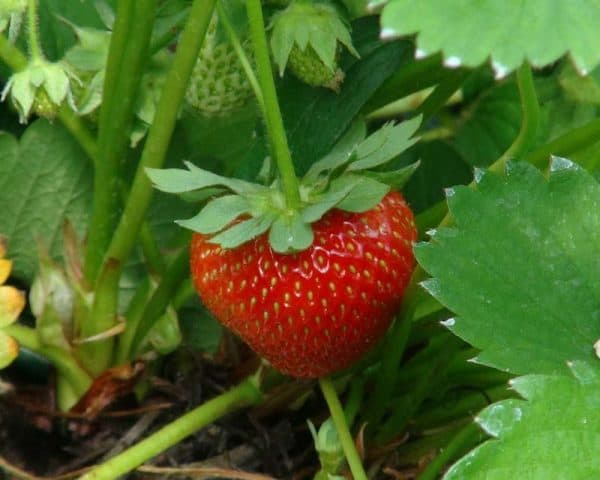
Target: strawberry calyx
{"x": 238, "y": 211}
{"x": 308, "y": 37}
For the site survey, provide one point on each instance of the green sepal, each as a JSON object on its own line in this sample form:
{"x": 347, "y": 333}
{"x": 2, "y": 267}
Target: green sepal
{"x": 303, "y": 23}
{"x": 328, "y": 447}
{"x": 356, "y": 153}
{"x": 385, "y": 144}
{"x": 364, "y": 196}
{"x": 176, "y": 180}
{"x": 341, "y": 153}
{"x": 290, "y": 233}
{"x": 9, "y": 349}
{"x": 394, "y": 178}
{"x": 202, "y": 195}
{"x": 244, "y": 231}
{"x": 217, "y": 214}
{"x": 337, "y": 191}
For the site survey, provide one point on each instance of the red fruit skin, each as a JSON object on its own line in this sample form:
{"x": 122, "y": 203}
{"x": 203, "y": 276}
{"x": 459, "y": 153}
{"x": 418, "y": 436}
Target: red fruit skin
{"x": 317, "y": 311}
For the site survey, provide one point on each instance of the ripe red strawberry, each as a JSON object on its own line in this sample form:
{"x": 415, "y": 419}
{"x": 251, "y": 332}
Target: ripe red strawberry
{"x": 317, "y": 311}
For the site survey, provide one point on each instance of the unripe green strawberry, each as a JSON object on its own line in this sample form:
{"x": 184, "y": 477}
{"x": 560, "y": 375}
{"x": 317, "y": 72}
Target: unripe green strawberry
{"x": 308, "y": 37}
{"x": 308, "y": 67}
{"x": 218, "y": 85}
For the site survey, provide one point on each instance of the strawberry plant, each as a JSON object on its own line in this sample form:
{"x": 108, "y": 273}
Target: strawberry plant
{"x": 299, "y": 239}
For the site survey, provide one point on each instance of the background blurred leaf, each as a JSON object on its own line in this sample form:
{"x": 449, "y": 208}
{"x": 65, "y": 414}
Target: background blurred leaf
{"x": 44, "y": 178}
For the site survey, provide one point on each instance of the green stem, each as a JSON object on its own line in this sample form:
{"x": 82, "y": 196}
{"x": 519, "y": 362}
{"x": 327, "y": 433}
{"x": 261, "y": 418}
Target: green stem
{"x": 242, "y": 57}
{"x": 64, "y": 363}
{"x": 79, "y": 131}
{"x": 11, "y": 55}
{"x": 529, "y": 122}
{"x": 273, "y": 118}
{"x": 339, "y": 420}
{"x": 126, "y": 60}
{"x": 154, "y": 153}
{"x": 460, "y": 444}
{"x": 35, "y": 49}
{"x": 159, "y": 136}
{"x": 566, "y": 144}
{"x": 243, "y": 395}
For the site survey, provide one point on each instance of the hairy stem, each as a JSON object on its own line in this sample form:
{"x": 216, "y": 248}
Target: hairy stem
{"x": 273, "y": 118}
{"x": 33, "y": 40}
{"x": 243, "y": 395}
{"x": 125, "y": 66}
{"x": 339, "y": 420}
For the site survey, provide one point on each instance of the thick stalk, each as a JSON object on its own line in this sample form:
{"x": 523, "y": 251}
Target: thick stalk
{"x": 160, "y": 132}
{"x": 153, "y": 155}
{"x": 243, "y": 395}
{"x": 273, "y": 118}
{"x": 127, "y": 57}
{"x": 339, "y": 420}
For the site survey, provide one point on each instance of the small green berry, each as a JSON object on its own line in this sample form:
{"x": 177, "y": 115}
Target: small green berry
{"x": 218, "y": 85}
{"x": 308, "y": 67}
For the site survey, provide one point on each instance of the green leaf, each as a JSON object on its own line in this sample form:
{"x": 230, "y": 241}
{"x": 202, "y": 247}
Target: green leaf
{"x": 290, "y": 234}
{"x": 364, "y": 195}
{"x": 395, "y": 178}
{"x": 9, "y": 349}
{"x": 44, "y": 179}
{"x": 520, "y": 268}
{"x": 507, "y": 31}
{"x": 490, "y": 126}
{"x": 244, "y": 231}
{"x": 217, "y": 214}
{"x": 385, "y": 144}
{"x": 553, "y": 433}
